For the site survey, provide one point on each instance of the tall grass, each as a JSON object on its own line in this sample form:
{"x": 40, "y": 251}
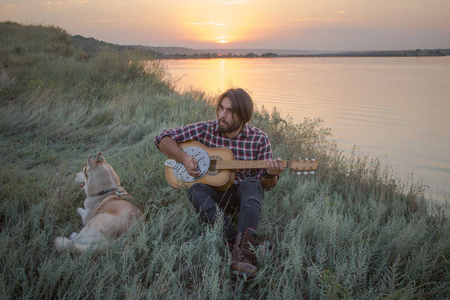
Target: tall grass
{"x": 349, "y": 232}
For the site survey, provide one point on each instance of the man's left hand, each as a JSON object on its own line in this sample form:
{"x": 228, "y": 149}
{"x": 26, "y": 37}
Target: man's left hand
{"x": 274, "y": 167}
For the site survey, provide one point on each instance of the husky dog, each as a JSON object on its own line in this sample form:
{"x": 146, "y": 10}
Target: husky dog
{"x": 108, "y": 209}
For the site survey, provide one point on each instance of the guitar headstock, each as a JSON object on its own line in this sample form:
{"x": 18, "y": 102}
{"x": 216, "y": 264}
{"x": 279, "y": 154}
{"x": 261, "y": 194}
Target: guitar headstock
{"x": 304, "y": 166}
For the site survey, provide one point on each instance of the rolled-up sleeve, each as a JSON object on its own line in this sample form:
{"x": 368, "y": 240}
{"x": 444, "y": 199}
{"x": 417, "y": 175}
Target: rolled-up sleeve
{"x": 192, "y": 132}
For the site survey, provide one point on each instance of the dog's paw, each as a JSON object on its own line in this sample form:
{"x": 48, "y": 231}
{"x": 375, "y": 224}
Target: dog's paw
{"x": 81, "y": 212}
{"x": 62, "y": 243}
{"x": 74, "y": 236}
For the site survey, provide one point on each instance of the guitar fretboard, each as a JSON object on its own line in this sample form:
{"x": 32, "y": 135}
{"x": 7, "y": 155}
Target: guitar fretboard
{"x": 244, "y": 164}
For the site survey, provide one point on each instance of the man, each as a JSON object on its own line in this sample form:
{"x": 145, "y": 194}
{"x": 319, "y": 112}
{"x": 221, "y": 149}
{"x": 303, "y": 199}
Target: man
{"x": 231, "y": 130}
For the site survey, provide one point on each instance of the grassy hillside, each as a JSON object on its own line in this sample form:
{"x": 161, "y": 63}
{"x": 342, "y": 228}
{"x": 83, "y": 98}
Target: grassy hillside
{"x": 349, "y": 232}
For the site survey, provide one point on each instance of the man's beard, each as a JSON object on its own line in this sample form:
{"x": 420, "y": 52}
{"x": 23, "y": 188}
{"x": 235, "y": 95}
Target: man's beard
{"x": 228, "y": 128}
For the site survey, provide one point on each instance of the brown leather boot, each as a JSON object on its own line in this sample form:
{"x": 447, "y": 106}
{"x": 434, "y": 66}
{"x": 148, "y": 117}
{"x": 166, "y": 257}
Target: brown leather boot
{"x": 243, "y": 259}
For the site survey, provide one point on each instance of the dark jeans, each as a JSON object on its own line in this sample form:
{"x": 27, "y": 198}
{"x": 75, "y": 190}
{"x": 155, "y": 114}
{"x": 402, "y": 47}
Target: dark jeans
{"x": 245, "y": 198}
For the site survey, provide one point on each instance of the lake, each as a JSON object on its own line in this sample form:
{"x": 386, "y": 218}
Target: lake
{"x": 395, "y": 109}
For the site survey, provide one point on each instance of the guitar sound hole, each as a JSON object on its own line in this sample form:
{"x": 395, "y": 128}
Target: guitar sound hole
{"x": 212, "y": 165}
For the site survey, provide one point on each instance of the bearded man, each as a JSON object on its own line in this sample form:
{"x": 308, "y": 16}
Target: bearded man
{"x": 231, "y": 130}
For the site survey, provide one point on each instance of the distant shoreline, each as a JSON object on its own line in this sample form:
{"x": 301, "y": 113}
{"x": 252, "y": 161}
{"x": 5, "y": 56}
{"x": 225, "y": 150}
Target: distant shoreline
{"x": 92, "y": 46}
{"x": 405, "y": 53}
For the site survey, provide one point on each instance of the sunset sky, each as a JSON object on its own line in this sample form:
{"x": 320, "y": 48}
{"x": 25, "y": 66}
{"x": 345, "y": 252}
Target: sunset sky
{"x": 268, "y": 24}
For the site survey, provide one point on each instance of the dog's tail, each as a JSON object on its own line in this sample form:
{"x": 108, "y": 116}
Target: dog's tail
{"x": 63, "y": 243}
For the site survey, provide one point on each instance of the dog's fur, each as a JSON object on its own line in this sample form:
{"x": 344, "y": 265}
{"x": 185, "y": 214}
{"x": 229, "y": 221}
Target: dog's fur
{"x": 106, "y": 214}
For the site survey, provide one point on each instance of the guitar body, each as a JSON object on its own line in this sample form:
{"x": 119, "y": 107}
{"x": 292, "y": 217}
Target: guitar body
{"x": 217, "y": 166}
{"x": 219, "y": 179}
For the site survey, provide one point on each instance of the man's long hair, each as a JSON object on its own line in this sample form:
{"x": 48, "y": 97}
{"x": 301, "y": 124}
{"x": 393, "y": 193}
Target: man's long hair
{"x": 242, "y": 104}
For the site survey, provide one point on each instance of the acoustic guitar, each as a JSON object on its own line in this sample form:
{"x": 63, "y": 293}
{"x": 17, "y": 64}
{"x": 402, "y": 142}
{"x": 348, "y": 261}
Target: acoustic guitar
{"x": 217, "y": 166}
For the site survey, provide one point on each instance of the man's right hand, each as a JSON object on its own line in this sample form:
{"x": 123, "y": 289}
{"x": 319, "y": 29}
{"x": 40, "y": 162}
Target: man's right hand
{"x": 170, "y": 148}
{"x": 190, "y": 163}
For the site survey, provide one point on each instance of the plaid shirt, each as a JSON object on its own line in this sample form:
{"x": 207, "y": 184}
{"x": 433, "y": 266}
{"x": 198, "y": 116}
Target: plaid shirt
{"x": 250, "y": 144}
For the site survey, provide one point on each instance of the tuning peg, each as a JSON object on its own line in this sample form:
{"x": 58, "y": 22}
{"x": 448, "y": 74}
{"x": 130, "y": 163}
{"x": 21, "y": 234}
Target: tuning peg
{"x": 312, "y": 173}
{"x": 313, "y": 159}
{"x": 299, "y": 173}
{"x": 306, "y": 172}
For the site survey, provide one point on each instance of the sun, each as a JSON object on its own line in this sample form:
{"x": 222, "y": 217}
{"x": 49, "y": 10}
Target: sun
{"x": 223, "y": 39}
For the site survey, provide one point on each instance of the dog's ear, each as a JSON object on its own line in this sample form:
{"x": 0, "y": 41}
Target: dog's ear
{"x": 91, "y": 162}
{"x": 101, "y": 158}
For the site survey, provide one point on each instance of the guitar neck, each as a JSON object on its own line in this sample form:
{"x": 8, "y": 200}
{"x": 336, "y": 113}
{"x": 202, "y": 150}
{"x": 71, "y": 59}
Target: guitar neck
{"x": 244, "y": 164}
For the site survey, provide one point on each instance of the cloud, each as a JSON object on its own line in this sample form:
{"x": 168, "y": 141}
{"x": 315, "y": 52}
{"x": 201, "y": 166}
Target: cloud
{"x": 205, "y": 24}
{"x": 267, "y": 25}
{"x": 234, "y": 2}
{"x": 115, "y": 20}
{"x": 314, "y": 19}
{"x": 327, "y": 20}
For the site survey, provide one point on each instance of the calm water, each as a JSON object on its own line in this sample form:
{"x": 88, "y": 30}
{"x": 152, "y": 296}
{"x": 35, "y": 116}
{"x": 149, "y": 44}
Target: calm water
{"x": 395, "y": 109}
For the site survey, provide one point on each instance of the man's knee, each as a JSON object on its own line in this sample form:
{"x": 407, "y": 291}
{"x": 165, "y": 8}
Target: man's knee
{"x": 193, "y": 189}
{"x": 252, "y": 193}
{"x": 252, "y": 185}
{"x": 200, "y": 196}
{"x": 197, "y": 191}
{"x": 201, "y": 200}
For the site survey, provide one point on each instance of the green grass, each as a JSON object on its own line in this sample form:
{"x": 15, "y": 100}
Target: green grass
{"x": 349, "y": 232}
